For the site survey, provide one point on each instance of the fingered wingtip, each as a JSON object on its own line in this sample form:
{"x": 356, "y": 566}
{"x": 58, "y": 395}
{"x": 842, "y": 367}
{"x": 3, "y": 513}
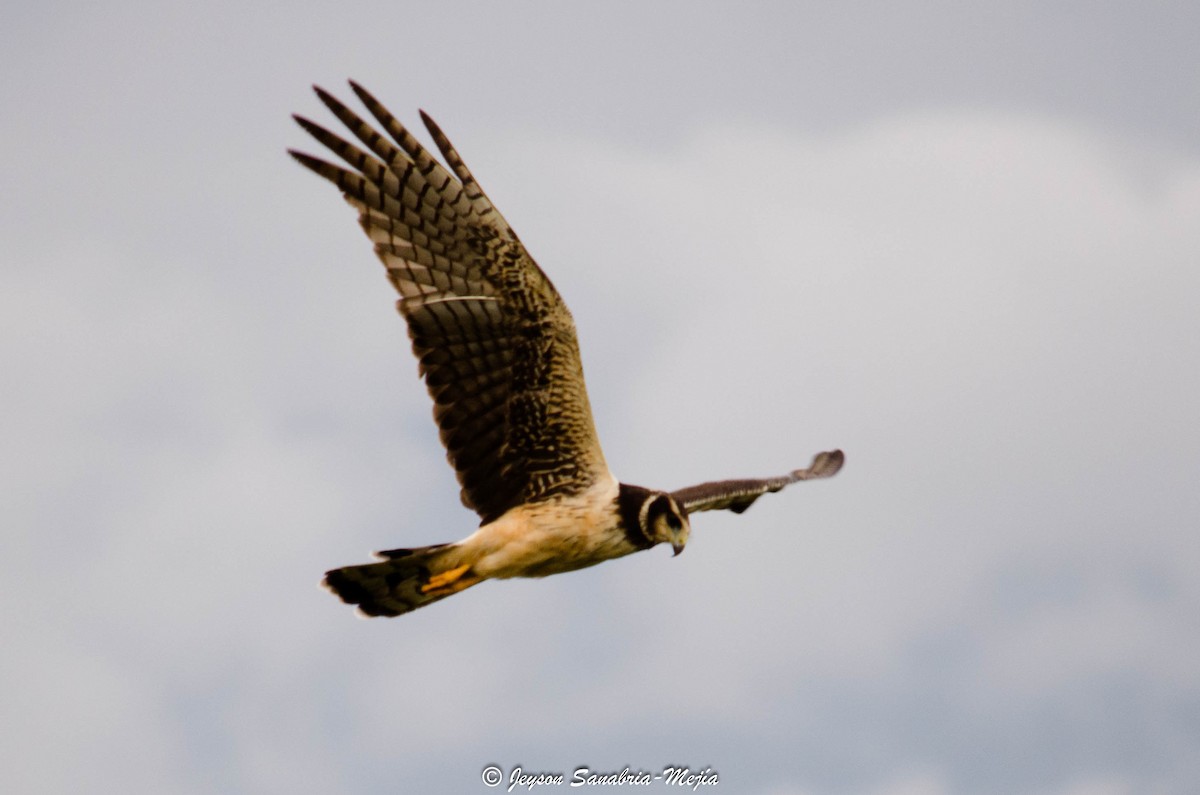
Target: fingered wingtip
{"x": 330, "y": 101}
{"x": 364, "y": 96}
{"x": 824, "y": 465}
{"x": 306, "y": 160}
{"x": 430, "y": 124}
{"x": 321, "y": 93}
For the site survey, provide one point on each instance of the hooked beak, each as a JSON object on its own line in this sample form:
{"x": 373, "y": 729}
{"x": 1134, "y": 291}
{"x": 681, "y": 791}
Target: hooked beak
{"x": 678, "y": 547}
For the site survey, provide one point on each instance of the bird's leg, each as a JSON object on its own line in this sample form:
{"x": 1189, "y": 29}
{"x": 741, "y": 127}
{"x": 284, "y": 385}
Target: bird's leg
{"x": 449, "y": 582}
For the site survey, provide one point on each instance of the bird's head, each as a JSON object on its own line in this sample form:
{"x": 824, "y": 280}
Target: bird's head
{"x": 663, "y": 520}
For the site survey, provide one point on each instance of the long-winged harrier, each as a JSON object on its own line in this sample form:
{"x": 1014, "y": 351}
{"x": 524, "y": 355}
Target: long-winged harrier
{"x": 499, "y": 356}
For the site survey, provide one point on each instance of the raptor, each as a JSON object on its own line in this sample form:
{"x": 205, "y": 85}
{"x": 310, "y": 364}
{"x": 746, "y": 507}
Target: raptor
{"x": 497, "y": 349}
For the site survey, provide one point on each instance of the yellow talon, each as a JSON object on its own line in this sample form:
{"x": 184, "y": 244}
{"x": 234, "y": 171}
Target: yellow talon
{"x": 447, "y": 579}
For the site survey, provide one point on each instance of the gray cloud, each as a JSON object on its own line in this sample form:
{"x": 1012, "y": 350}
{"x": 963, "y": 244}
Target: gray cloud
{"x": 962, "y": 251}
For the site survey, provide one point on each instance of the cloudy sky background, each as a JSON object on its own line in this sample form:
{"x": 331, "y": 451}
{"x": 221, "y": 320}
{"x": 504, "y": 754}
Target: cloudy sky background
{"x": 962, "y": 245}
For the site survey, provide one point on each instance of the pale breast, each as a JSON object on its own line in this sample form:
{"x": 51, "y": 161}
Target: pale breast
{"x": 551, "y": 537}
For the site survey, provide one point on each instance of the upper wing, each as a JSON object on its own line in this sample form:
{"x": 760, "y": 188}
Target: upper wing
{"x": 738, "y": 495}
{"x": 496, "y": 343}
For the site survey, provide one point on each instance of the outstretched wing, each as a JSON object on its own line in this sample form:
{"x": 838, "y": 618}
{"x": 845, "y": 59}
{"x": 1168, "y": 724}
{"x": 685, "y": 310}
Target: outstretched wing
{"x": 496, "y": 344}
{"x": 738, "y": 495}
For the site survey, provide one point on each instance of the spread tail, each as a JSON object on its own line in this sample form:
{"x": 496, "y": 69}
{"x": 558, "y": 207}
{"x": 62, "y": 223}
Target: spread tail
{"x": 408, "y": 579}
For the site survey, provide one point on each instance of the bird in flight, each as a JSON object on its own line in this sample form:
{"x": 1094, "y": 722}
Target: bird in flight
{"x": 498, "y": 352}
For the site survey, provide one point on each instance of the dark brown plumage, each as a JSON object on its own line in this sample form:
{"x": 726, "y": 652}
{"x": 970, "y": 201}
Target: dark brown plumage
{"x": 738, "y": 495}
{"x": 496, "y": 343}
{"x": 499, "y": 356}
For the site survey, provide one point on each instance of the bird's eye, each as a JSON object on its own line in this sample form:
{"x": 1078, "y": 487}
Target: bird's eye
{"x": 673, "y": 522}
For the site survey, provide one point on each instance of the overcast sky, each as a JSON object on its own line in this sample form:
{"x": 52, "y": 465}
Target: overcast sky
{"x": 959, "y": 241}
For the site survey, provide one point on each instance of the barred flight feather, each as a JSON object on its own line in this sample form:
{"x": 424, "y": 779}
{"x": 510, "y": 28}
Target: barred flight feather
{"x": 497, "y": 349}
